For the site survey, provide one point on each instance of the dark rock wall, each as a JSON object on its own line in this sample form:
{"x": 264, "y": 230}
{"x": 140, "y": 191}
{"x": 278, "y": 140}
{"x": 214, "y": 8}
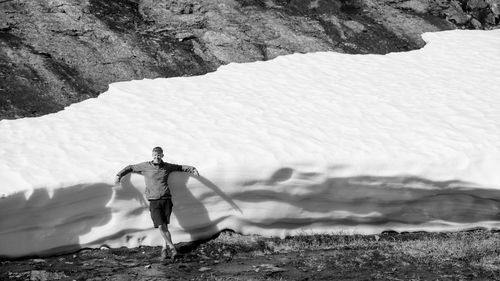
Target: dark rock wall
{"x": 57, "y": 52}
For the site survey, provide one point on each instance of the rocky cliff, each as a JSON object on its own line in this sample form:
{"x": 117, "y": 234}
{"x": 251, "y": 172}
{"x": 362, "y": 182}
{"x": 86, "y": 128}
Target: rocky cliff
{"x": 57, "y": 52}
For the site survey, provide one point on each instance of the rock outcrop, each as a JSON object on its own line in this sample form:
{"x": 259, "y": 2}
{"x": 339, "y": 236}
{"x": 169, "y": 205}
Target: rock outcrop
{"x": 57, "y": 52}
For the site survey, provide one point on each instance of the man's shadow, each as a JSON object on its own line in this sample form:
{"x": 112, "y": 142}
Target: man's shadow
{"x": 192, "y": 215}
{"x": 129, "y": 192}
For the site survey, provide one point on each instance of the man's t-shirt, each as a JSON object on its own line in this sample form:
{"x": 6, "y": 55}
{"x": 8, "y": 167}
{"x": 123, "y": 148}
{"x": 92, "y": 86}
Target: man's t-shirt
{"x": 155, "y": 176}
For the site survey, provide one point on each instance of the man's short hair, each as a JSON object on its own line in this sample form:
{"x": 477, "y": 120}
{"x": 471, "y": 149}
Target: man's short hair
{"x": 158, "y": 149}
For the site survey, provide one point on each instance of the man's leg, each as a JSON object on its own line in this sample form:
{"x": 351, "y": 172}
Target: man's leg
{"x": 168, "y": 239}
{"x": 160, "y": 214}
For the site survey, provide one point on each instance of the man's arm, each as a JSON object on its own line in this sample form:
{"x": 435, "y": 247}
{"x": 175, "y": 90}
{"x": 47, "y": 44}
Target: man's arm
{"x": 137, "y": 168}
{"x": 190, "y": 169}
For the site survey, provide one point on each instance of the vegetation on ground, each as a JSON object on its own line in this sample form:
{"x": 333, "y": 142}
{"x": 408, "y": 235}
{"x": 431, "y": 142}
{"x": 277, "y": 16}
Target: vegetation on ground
{"x": 469, "y": 255}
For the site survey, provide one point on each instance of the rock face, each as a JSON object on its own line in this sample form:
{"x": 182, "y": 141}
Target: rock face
{"x": 57, "y": 52}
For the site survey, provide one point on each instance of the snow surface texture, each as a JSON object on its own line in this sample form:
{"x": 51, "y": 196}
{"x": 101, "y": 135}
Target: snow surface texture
{"x": 321, "y": 142}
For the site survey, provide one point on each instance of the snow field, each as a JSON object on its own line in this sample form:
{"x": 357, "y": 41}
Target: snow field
{"x": 319, "y": 142}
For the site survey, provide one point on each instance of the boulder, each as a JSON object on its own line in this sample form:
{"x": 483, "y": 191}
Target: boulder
{"x": 476, "y": 24}
{"x": 456, "y": 15}
{"x": 415, "y": 5}
{"x": 477, "y": 4}
{"x": 494, "y": 7}
{"x": 490, "y": 19}
{"x": 354, "y": 26}
{"x": 165, "y": 12}
{"x": 478, "y": 9}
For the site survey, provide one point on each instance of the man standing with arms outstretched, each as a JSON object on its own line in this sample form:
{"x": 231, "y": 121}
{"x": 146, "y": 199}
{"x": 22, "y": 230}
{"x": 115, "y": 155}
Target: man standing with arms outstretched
{"x": 156, "y": 174}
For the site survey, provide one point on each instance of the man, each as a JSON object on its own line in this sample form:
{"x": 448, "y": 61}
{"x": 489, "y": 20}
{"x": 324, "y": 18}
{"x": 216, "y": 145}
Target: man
{"x": 156, "y": 174}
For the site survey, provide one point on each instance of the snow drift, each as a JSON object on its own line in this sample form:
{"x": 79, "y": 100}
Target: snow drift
{"x": 321, "y": 142}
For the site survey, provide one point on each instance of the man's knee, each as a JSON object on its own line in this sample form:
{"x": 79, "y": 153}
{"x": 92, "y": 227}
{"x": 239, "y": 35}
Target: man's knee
{"x": 164, "y": 227}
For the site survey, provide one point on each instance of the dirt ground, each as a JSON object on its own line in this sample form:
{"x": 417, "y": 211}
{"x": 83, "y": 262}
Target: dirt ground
{"x": 256, "y": 258}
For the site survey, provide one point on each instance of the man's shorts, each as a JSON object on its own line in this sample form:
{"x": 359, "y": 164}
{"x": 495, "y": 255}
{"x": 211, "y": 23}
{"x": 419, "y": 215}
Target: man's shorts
{"x": 160, "y": 211}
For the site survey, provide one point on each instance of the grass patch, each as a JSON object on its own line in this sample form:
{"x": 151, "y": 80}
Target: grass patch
{"x": 478, "y": 249}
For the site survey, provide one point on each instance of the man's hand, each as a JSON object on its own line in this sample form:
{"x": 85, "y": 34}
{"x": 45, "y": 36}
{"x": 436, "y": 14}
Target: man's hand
{"x": 195, "y": 172}
{"x": 117, "y": 180}
{"x": 191, "y": 170}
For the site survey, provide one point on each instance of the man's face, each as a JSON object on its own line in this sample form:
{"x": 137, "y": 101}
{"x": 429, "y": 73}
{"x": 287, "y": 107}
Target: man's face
{"x": 157, "y": 156}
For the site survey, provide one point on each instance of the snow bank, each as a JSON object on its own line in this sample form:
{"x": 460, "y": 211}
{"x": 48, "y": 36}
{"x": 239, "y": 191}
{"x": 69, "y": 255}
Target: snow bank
{"x": 304, "y": 143}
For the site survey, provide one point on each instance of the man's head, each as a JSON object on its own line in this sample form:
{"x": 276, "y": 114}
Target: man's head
{"x": 157, "y": 155}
